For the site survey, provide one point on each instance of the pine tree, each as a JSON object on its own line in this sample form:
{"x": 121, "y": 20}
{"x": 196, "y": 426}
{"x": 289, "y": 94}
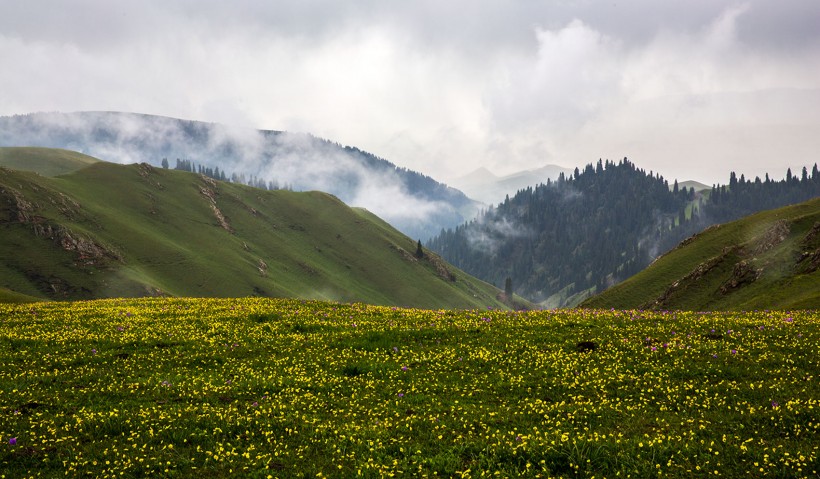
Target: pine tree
{"x": 419, "y": 251}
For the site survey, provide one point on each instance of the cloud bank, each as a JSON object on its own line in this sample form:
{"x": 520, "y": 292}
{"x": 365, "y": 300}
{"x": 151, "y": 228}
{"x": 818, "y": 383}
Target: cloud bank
{"x": 692, "y": 90}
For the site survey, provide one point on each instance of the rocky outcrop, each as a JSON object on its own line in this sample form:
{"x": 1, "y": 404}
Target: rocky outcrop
{"x": 742, "y": 274}
{"x": 776, "y": 234}
{"x": 22, "y": 211}
{"x": 210, "y": 192}
{"x": 693, "y": 276}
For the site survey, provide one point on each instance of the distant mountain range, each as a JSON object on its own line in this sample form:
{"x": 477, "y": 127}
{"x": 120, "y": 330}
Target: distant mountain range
{"x": 484, "y": 186}
{"x": 73, "y": 227}
{"x": 414, "y": 203}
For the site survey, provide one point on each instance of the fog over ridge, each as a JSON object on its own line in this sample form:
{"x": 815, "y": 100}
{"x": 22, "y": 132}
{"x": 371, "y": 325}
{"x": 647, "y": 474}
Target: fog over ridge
{"x": 415, "y": 204}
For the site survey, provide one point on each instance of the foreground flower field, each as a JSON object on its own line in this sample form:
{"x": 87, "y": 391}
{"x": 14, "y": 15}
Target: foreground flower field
{"x": 282, "y": 388}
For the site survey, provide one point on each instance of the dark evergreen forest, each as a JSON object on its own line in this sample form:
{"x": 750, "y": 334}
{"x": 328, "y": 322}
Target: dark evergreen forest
{"x": 567, "y": 239}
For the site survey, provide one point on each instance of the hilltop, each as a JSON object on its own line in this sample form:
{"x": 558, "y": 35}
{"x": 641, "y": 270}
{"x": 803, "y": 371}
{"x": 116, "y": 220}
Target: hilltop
{"x": 107, "y": 230}
{"x": 769, "y": 260}
{"x": 45, "y": 161}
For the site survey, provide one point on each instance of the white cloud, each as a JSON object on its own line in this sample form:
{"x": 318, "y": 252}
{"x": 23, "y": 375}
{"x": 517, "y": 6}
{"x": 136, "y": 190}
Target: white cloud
{"x": 691, "y": 89}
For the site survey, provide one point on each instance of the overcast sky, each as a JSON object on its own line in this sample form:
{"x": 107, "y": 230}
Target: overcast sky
{"x": 691, "y": 89}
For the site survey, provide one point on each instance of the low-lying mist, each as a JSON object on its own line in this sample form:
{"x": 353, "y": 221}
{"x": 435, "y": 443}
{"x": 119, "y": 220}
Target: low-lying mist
{"x": 413, "y": 203}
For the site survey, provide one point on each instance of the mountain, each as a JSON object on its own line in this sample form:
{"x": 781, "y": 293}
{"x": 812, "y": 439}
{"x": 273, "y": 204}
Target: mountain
{"x": 769, "y": 260}
{"x": 693, "y": 185}
{"x": 562, "y": 241}
{"x": 101, "y": 229}
{"x": 412, "y": 202}
{"x": 488, "y": 188}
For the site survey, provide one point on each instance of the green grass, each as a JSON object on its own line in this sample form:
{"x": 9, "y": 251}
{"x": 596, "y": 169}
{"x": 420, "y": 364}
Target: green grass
{"x": 291, "y": 388}
{"x": 45, "y": 161}
{"x": 784, "y": 281}
{"x": 152, "y": 231}
{"x": 8, "y": 296}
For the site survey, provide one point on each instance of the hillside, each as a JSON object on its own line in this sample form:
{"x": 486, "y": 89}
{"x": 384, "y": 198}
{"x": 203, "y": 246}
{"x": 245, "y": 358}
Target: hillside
{"x": 134, "y": 230}
{"x": 769, "y": 260}
{"x": 45, "y": 161}
{"x": 562, "y": 241}
{"x": 412, "y": 202}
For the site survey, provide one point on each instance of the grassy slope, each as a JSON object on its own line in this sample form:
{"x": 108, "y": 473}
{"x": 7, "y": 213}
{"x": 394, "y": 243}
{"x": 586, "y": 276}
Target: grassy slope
{"x": 46, "y": 161}
{"x": 9, "y": 296}
{"x": 160, "y": 235}
{"x": 784, "y": 280}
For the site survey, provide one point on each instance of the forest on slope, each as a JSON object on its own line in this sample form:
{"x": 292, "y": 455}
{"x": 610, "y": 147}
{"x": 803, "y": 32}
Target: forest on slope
{"x": 562, "y": 241}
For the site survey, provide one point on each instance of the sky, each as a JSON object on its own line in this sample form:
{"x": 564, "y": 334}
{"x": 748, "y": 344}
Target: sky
{"x": 691, "y": 89}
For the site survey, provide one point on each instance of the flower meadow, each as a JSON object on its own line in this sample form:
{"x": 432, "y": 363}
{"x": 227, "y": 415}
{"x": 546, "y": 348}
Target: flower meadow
{"x": 286, "y": 388}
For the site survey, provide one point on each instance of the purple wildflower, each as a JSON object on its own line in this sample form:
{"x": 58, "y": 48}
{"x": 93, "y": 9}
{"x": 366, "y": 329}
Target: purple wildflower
{"x": 12, "y": 441}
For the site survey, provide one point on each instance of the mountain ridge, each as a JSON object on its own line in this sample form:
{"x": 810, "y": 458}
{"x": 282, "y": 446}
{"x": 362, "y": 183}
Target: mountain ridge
{"x": 489, "y": 188}
{"x": 415, "y": 203}
{"x": 135, "y": 230}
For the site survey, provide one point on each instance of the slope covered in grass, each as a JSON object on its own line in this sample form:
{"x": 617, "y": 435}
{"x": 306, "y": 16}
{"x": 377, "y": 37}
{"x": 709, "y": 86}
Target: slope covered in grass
{"x": 769, "y": 260}
{"x": 45, "y": 161}
{"x": 113, "y": 230}
{"x": 256, "y": 387}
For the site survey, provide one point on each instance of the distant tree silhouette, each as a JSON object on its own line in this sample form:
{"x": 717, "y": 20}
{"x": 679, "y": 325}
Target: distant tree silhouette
{"x": 419, "y": 250}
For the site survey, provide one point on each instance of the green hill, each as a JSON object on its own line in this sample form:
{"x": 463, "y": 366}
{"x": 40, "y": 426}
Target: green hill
{"x": 769, "y": 260}
{"x": 110, "y": 230}
{"x": 46, "y": 161}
